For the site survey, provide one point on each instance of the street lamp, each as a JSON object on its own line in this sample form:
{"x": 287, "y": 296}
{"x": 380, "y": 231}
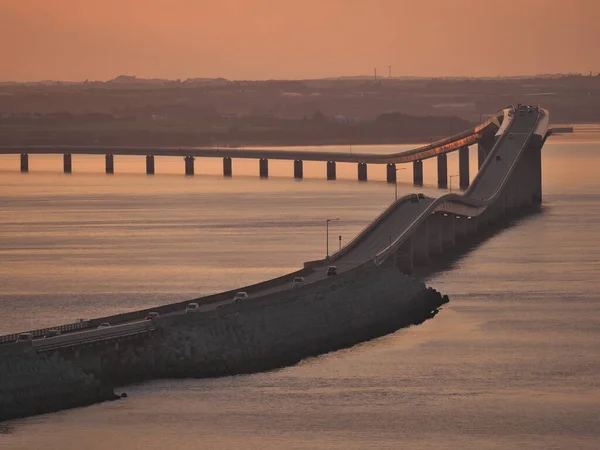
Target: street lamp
{"x": 452, "y": 176}
{"x": 396, "y": 182}
{"x": 327, "y": 235}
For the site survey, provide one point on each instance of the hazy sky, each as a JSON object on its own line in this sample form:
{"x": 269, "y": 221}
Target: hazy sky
{"x": 258, "y": 39}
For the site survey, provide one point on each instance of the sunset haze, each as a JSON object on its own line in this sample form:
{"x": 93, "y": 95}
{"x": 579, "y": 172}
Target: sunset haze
{"x": 262, "y": 39}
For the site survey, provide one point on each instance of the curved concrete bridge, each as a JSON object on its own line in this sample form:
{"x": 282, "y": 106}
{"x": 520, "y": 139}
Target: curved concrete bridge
{"x": 410, "y": 232}
{"x": 482, "y": 135}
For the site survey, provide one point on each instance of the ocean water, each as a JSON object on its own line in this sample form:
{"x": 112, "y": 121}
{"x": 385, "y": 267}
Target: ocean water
{"x": 511, "y": 362}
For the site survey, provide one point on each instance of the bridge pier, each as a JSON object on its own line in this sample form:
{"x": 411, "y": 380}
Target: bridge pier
{"x": 442, "y": 171}
{"x": 263, "y": 168}
{"x": 362, "y": 171}
{"x": 472, "y": 226}
{"x": 421, "y": 245}
{"x": 67, "y": 163}
{"x": 24, "y": 162}
{"x": 448, "y": 232}
{"x": 460, "y": 228}
{"x": 298, "y": 169}
{"x": 391, "y": 173}
{"x": 109, "y": 163}
{"x": 227, "y": 169}
{"x": 149, "y": 164}
{"x": 189, "y": 165}
{"x": 463, "y": 167}
{"x": 331, "y": 175}
{"x": 403, "y": 258}
{"x": 418, "y": 173}
{"x": 434, "y": 234}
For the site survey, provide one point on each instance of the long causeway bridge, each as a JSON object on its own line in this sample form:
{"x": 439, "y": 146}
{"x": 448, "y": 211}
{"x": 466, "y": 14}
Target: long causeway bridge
{"x": 413, "y": 231}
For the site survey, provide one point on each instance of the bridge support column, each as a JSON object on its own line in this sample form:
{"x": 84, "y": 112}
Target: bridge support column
{"x": 403, "y": 258}
{"x": 391, "y": 173}
{"x": 263, "y": 168}
{"x": 362, "y": 171}
{"x": 463, "y": 167}
{"x": 448, "y": 232}
{"x": 420, "y": 242}
{"x": 227, "y": 167}
{"x": 149, "y": 164}
{"x": 110, "y": 163}
{"x": 460, "y": 228}
{"x": 24, "y": 162}
{"x": 472, "y": 226}
{"x": 331, "y": 175}
{"x": 189, "y": 165}
{"x": 298, "y": 169}
{"x": 227, "y": 171}
{"x": 442, "y": 171}
{"x": 434, "y": 234}
{"x": 418, "y": 173}
{"x": 67, "y": 163}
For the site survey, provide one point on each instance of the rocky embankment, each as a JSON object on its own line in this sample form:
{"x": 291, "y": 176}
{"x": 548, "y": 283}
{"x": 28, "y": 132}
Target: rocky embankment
{"x": 34, "y": 384}
{"x": 278, "y": 330}
{"x": 251, "y": 336}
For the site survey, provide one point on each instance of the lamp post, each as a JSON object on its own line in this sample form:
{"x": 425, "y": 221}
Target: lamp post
{"x": 452, "y": 176}
{"x": 396, "y": 182}
{"x": 327, "y": 235}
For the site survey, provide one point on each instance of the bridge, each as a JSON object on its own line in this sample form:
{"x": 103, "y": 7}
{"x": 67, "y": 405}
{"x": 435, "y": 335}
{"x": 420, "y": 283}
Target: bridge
{"x": 482, "y": 135}
{"x": 412, "y": 232}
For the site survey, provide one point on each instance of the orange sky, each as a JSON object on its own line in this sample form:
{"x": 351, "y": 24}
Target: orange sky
{"x": 258, "y": 39}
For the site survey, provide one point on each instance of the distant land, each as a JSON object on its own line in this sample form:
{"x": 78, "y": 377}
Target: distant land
{"x": 215, "y": 111}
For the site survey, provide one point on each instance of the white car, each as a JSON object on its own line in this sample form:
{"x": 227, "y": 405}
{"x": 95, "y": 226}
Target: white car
{"x": 192, "y": 308}
{"x": 240, "y": 296}
{"x": 104, "y": 325}
{"x": 298, "y": 282}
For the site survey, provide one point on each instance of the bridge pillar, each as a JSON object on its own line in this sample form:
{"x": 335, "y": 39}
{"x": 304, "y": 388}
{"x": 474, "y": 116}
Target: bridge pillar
{"x": 331, "y": 175}
{"x": 110, "y": 163}
{"x": 403, "y": 258}
{"x": 463, "y": 167}
{"x": 67, "y": 163}
{"x": 189, "y": 165}
{"x": 460, "y": 228}
{"x": 442, "y": 171}
{"x": 434, "y": 234}
{"x": 149, "y": 164}
{"x": 298, "y": 169}
{"x": 534, "y": 154}
{"x": 227, "y": 170}
{"x": 420, "y": 242}
{"x": 362, "y": 171}
{"x": 448, "y": 231}
{"x": 418, "y": 173}
{"x": 24, "y": 162}
{"x": 263, "y": 168}
{"x": 472, "y": 226}
{"x": 391, "y": 173}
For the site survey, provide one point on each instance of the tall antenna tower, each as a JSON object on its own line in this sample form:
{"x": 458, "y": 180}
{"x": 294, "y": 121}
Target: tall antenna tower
{"x": 375, "y": 73}
{"x": 390, "y": 71}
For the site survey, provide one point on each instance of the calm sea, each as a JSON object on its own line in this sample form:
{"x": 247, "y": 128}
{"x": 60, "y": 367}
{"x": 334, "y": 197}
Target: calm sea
{"x": 512, "y": 362}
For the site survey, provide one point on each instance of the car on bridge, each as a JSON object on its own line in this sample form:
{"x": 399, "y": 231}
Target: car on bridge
{"x": 152, "y": 315}
{"x": 192, "y": 308}
{"x": 104, "y": 325}
{"x": 51, "y": 333}
{"x": 298, "y": 282}
{"x": 331, "y": 270}
{"x": 240, "y": 296}
{"x": 25, "y": 337}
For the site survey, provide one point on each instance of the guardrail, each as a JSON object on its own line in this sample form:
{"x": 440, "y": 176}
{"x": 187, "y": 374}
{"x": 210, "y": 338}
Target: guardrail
{"x": 82, "y": 324}
{"x": 90, "y": 336}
